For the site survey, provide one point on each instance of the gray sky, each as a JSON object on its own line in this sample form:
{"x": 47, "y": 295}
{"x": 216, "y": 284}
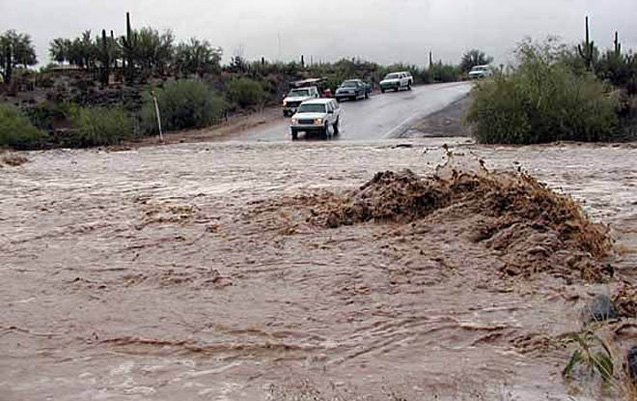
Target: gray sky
{"x": 380, "y": 30}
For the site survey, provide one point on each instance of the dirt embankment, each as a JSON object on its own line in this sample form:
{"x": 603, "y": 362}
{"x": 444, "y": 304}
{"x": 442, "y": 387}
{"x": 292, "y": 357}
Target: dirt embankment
{"x": 444, "y": 123}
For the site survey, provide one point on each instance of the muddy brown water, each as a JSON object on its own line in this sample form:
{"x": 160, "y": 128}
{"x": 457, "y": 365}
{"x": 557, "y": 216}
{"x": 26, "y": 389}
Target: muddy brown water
{"x": 148, "y": 275}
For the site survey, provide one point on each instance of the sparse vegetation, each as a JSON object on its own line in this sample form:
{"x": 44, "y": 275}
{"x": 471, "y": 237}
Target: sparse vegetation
{"x": 592, "y": 354}
{"x": 594, "y": 357}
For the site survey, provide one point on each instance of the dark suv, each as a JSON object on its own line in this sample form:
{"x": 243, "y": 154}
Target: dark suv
{"x": 353, "y": 89}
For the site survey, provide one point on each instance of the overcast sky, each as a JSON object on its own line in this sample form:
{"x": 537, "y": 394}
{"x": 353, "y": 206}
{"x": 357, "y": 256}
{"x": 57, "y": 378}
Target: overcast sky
{"x": 386, "y": 31}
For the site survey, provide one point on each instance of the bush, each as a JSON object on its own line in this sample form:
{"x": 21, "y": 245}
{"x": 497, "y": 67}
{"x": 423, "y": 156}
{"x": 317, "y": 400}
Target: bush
{"x": 99, "y": 126}
{"x": 44, "y": 114}
{"x": 542, "y": 100}
{"x": 16, "y": 131}
{"x": 245, "y": 92}
{"x": 182, "y": 104}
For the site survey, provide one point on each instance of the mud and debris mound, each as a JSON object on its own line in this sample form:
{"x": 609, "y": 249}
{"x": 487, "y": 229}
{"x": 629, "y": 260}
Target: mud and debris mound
{"x": 389, "y": 196}
{"x": 13, "y": 160}
{"x": 533, "y": 228}
{"x": 625, "y": 298}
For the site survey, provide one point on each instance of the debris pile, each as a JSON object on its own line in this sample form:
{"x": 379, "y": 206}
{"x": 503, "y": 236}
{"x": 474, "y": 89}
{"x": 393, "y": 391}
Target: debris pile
{"x": 533, "y": 228}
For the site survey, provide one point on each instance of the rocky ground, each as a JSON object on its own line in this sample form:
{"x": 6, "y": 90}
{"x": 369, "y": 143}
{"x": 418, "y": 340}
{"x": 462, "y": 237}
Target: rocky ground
{"x": 294, "y": 271}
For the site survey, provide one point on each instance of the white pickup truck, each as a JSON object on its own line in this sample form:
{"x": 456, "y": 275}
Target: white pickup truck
{"x": 297, "y": 96}
{"x": 321, "y": 116}
{"x": 397, "y": 81}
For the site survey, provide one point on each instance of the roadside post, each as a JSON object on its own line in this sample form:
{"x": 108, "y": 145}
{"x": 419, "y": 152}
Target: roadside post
{"x": 154, "y": 96}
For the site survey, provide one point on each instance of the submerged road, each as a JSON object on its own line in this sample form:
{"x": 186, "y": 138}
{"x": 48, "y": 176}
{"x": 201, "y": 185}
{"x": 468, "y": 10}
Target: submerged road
{"x": 381, "y": 116}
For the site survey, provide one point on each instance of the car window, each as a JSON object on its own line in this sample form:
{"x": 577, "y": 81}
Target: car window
{"x": 299, "y": 93}
{"x": 311, "y": 108}
{"x": 350, "y": 84}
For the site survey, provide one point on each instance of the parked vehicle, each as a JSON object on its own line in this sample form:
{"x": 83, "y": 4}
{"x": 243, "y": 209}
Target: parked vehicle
{"x": 297, "y": 96}
{"x": 353, "y": 89}
{"x": 320, "y": 116}
{"x": 396, "y": 81}
{"x": 481, "y": 71}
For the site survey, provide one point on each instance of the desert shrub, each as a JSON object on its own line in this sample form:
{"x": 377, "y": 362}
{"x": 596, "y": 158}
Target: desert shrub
{"x": 44, "y": 114}
{"x": 245, "y": 92}
{"x": 99, "y": 126}
{"x": 182, "y": 104}
{"x": 542, "y": 100}
{"x": 16, "y": 131}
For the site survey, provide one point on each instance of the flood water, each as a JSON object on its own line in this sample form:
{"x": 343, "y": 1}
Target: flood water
{"x": 148, "y": 275}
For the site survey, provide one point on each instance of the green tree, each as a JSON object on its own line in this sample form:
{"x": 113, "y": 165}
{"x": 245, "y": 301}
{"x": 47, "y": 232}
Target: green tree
{"x": 59, "y": 50}
{"x": 153, "y": 52}
{"x": 197, "y": 57}
{"x": 472, "y": 58}
{"x": 16, "y": 50}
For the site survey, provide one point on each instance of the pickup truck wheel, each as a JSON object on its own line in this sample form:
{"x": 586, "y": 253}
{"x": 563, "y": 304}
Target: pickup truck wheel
{"x": 409, "y": 87}
{"x": 382, "y": 90}
{"x": 366, "y": 95}
{"x": 337, "y": 127}
{"x": 327, "y": 132}
{"x": 295, "y": 135}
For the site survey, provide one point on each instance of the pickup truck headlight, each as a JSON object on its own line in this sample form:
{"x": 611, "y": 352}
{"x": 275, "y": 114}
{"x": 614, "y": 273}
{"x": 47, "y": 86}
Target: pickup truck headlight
{"x": 318, "y": 121}
{"x": 285, "y": 103}
{"x": 294, "y": 121}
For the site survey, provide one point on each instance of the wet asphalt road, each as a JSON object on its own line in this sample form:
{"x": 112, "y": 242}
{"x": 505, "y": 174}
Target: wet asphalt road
{"x": 381, "y": 116}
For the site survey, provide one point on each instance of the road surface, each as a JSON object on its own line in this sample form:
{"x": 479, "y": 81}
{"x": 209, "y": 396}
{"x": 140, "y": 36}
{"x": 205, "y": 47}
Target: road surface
{"x": 381, "y": 116}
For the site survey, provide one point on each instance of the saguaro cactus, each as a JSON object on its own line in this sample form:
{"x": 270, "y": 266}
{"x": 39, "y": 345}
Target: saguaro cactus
{"x": 8, "y": 70}
{"x": 129, "y": 48}
{"x": 106, "y": 59}
{"x": 587, "y": 52}
{"x": 618, "y": 46}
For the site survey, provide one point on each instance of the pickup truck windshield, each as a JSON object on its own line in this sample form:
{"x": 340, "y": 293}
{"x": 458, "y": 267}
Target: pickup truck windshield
{"x": 392, "y": 76}
{"x": 299, "y": 93}
{"x": 312, "y": 108}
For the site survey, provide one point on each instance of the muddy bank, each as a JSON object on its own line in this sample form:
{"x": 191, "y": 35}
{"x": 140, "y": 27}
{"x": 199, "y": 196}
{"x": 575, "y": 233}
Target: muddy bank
{"x": 189, "y": 271}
